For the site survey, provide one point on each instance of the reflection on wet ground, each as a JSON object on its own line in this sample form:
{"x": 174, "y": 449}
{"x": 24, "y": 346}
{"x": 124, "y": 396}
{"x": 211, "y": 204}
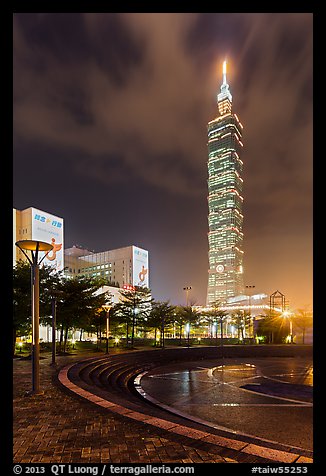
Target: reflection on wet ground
{"x": 270, "y": 398}
{"x": 292, "y": 374}
{"x": 294, "y": 383}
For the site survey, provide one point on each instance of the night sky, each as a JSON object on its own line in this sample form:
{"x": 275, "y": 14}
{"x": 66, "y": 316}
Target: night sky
{"x": 110, "y": 133}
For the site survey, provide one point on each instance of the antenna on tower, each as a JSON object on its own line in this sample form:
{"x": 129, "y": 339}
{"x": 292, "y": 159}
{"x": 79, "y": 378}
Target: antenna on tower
{"x": 224, "y": 72}
{"x": 224, "y": 90}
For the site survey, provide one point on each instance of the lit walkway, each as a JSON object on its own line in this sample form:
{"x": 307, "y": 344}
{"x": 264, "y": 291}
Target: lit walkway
{"x": 58, "y": 427}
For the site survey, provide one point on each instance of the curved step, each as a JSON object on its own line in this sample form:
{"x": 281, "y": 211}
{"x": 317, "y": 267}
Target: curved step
{"x": 112, "y": 378}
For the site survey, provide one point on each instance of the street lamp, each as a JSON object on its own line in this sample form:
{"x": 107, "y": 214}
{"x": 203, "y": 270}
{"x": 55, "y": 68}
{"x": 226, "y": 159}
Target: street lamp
{"x": 107, "y": 308}
{"x": 187, "y": 289}
{"x": 35, "y": 247}
{"x": 188, "y": 334}
{"x": 249, "y": 287}
{"x": 55, "y": 293}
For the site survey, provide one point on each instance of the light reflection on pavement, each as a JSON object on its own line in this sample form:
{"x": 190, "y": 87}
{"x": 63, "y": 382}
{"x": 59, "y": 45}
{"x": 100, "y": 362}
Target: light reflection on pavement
{"x": 270, "y": 398}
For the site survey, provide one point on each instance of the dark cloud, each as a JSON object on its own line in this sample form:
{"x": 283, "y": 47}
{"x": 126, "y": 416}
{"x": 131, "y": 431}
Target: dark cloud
{"x": 121, "y": 103}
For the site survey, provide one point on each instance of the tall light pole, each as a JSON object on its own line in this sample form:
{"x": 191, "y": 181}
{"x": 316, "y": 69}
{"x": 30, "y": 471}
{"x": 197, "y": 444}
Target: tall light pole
{"x": 251, "y": 287}
{"x": 35, "y": 247}
{"x": 107, "y": 307}
{"x": 54, "y": 319}
{"x": 55, "y": 293}
{"x": 188, "y": 334}
{"x": 187, "y": 289}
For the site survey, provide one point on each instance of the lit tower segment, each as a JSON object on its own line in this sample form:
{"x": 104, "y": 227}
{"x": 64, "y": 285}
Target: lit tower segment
{"x": 225, "y": 219}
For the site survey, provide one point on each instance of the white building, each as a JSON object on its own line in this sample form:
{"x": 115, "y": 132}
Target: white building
{"x": 122, "y": 266}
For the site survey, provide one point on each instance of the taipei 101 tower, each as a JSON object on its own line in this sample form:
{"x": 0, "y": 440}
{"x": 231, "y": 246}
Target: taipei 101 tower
{"x": 225, "y": 219}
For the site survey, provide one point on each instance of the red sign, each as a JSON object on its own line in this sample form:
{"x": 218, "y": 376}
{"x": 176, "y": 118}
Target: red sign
{"x": 128, "y": 287}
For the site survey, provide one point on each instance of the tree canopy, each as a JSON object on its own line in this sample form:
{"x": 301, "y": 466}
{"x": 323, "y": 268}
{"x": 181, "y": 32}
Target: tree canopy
{"x": 162, "y": 314}
{"x": 78, "y": 303}
{"x": 134, "y": 308}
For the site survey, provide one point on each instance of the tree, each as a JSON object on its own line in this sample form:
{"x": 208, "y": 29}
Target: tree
{"x": 208, "y": 319}
{"x": 98, "y": 317}
{"x": 179, "y": 319}
{"x": 79, "y": 304}
{"x": 22, "y": 300}
{"x": 218, "y": 315}
{"x": 303, "y": 319}
{"x": 189, "y": 316}
{"x": 118, "y": 322}
{"x": 134, "y": 307}
{"x": 241, "y": 321}
{"x": 162, "y": 314}
{"x": 273, "y": 327}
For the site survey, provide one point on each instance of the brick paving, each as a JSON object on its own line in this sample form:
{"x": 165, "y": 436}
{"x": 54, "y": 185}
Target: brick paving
{"x": 57, "y": 427}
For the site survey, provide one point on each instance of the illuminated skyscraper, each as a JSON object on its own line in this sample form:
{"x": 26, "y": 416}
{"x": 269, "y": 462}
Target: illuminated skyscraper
{"x": 225, "y": 219}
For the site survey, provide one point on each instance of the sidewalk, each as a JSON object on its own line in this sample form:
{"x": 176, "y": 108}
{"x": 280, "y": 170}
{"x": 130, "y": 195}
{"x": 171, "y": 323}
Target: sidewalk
{"x": 56, "y": 427}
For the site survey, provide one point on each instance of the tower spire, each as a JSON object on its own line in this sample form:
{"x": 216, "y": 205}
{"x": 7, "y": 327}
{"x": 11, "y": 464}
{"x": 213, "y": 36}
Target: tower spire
{"x": 224, "y": 72}
{"x": 224, "y": 98}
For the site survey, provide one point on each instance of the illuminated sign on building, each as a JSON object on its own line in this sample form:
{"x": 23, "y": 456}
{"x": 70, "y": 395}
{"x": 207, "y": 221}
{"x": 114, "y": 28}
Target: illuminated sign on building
{"x": 140, "y": 267}
{"x": 128, "y": 287}
{"x": 49, "y": 228}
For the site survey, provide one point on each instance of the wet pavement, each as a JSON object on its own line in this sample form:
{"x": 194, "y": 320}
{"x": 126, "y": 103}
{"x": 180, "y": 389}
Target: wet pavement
{"x": 269, "y": 398}
{"x": 59, "y": 428}
{"x": 69, "y": 424}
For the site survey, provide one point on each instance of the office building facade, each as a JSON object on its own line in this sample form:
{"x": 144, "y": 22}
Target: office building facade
{"x": 122, "y": 266}
{"x": 225, "y": 218}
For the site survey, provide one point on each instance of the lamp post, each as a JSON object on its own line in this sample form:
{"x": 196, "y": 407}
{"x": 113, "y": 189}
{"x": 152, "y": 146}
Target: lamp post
{"x": 55, "y": 293}
{"x": 187, "y": 289}
{"x": 35, "y": 247}
{"x": 188, "y": 334}
{"x": 249, "y": 287}
{"x": 107, "y": 308}
{"x": 54, "y": 318}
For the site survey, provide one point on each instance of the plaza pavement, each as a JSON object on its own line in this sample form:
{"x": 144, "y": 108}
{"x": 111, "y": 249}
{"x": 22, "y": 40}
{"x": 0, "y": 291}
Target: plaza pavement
{"x": 59, "y": 427}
